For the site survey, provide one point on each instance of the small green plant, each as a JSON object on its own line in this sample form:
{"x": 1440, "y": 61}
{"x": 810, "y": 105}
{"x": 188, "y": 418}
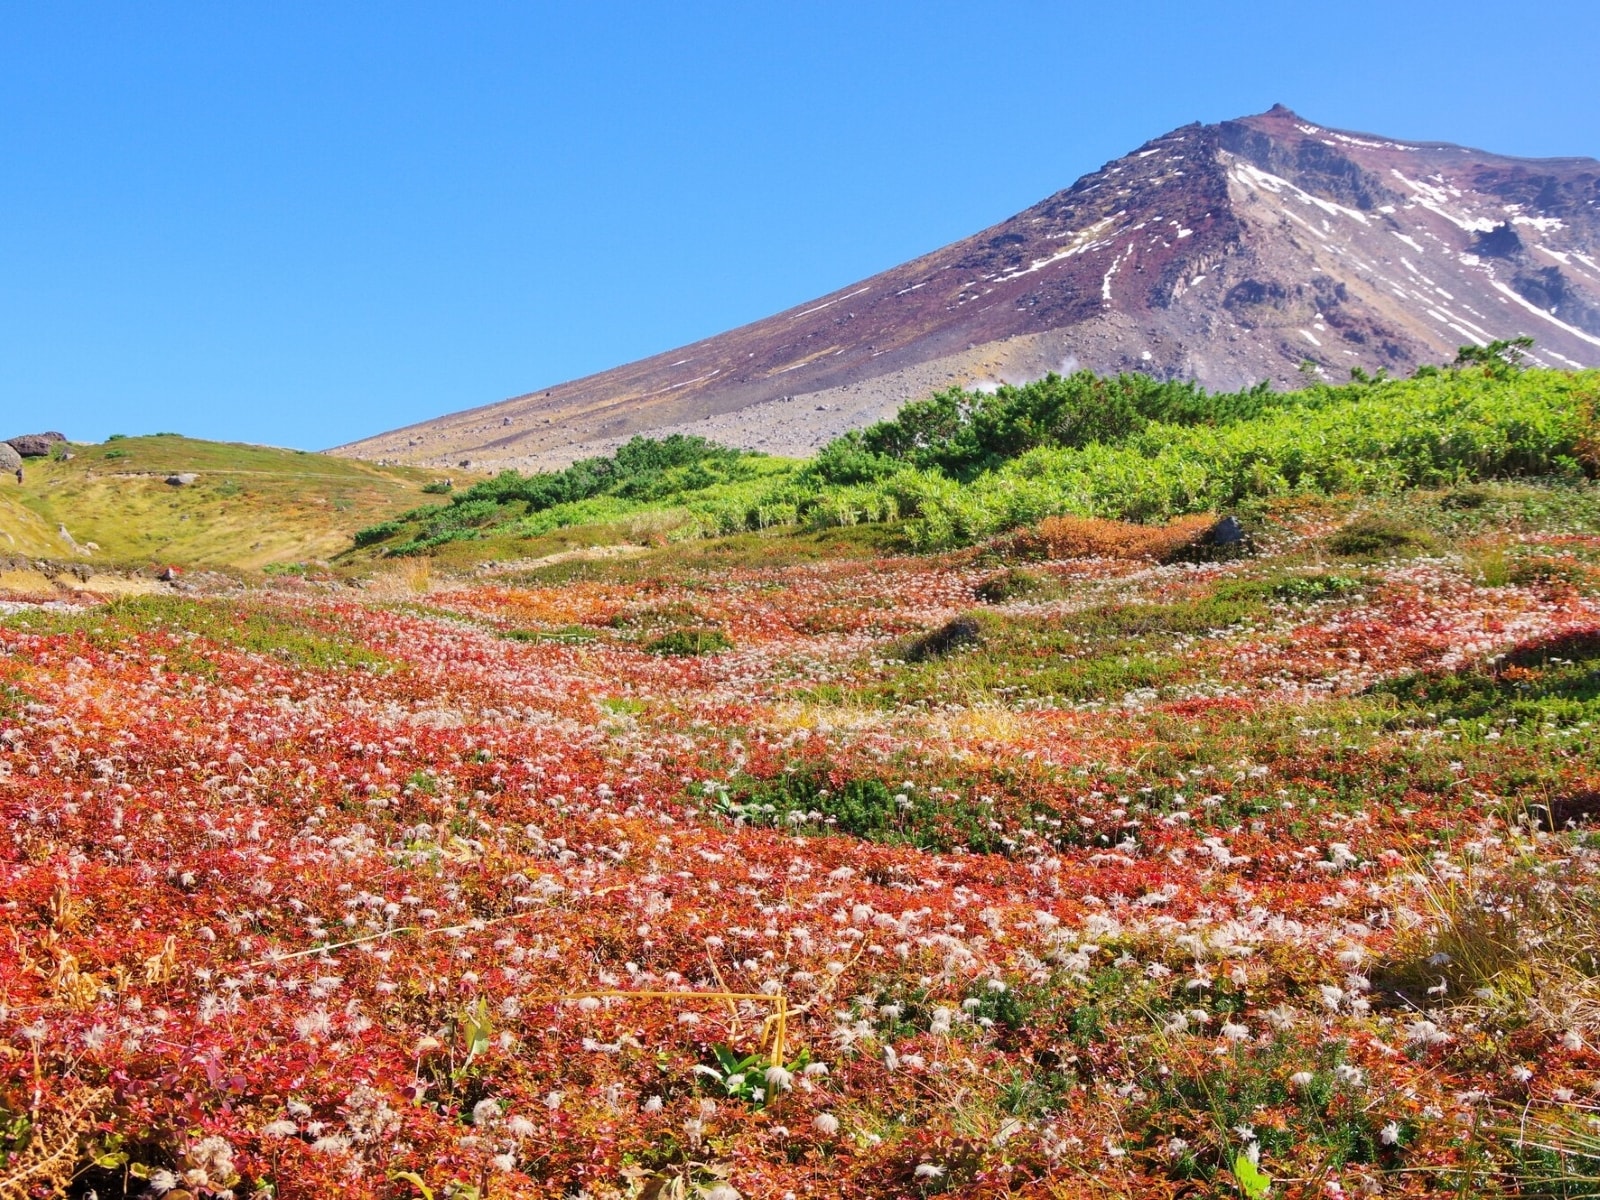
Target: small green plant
{"x": 477, "y": 1027}
{"x": 1554, "y": 1154}
{"x": 439, "y": 487}
{"x": 229, "y": 487}
{"x": 1465, "y": 498}
{"x": 1493, "y": 567}
{"x": 753, "y": 1078}
{"x": 689, "y": 642}
{"x": 1254, "y": 1184}
{"x": 1500, "y": 359}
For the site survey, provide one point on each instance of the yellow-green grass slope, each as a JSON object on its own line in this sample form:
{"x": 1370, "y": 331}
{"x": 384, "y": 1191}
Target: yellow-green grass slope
{"x": 249, "y": 507}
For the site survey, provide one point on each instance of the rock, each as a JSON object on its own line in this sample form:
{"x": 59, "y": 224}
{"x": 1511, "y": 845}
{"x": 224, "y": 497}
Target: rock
{"x": 182, "y": 479}
{"x": 10, "y": 460}
{"x": 35, "y": 445}
{"x": 1226, "y": 532}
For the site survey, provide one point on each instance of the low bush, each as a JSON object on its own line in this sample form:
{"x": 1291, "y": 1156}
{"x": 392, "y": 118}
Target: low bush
{"x": 373, "y": 534}
{"x": 1377, "y": 537}
{"x": 947, "y": 639}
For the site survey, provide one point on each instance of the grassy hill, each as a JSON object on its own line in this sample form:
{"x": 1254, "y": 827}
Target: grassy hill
{"x": 249, "y": 507}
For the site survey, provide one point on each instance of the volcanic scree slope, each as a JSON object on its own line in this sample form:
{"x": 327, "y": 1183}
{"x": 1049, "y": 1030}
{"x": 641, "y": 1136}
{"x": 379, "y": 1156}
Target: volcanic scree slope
{"x": 1225, "y": 253}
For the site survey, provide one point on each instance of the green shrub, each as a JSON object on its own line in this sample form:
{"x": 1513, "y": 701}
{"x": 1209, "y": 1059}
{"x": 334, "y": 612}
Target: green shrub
{"x": 377, "y": 533}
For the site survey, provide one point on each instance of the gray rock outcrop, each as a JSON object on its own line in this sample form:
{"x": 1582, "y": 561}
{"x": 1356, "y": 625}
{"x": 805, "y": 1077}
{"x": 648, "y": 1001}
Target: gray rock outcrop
{"x": 35, "y": 445}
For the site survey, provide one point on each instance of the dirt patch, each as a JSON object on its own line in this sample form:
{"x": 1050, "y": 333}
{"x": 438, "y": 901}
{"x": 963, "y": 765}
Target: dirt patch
{"x": 20, "y": 580}
{"x": 583, "y": 554}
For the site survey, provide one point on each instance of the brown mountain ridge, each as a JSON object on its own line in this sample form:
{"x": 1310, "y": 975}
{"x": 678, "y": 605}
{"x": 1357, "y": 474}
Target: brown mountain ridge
{"x": 1259, "y": 248}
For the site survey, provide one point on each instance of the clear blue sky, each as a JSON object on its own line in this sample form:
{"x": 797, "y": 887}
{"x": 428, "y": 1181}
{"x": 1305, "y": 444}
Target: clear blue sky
{"x": 300, "y": 223}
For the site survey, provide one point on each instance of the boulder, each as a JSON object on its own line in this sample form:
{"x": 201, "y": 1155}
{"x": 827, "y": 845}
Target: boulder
{"x": 182, "y": 479}
{"x": 10, "y": 460}
{"x": 1226, "y": 532}
{"x": 35, "y": 445}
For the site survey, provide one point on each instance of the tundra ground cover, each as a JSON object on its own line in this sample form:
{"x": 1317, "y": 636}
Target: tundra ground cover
{"x": 1264, "y": 875}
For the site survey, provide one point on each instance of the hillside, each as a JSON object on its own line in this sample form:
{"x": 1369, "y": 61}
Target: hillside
{"x": 1252, "y": 249}
{"x": 247, "y": 507}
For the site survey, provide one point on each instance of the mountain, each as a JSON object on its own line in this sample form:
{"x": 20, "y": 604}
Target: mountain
{"x": 1226, "y": 253}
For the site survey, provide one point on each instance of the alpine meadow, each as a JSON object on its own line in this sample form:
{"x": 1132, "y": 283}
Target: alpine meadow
{"x": 875, "y": 768}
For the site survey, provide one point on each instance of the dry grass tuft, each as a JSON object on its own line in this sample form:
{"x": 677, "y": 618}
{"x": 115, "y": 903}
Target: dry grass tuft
{"x": 1528, "y": 947}
{"x": 54, "y": 1148}
{"x": 407, "y": 578}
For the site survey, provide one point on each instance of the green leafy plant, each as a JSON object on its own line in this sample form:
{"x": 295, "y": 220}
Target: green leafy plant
{"x": 753, "y": 1078}
{"x": 1254, "y": 1184}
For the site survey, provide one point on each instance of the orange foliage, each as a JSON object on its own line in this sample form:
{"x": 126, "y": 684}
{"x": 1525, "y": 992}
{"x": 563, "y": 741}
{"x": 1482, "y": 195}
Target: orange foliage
{"x": 1089, "y": 537}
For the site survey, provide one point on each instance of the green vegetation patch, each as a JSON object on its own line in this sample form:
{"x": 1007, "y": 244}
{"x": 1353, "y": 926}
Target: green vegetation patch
{"x": 303, "y": 639}
{"x": 1378, "y": 537}
{"x": 645, "y": 473}
{"x": 810, "y": 801}
{"x": 688, "y": 643}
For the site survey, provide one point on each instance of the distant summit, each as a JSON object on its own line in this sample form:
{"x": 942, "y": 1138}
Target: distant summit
{"x": 1266, "y": 247}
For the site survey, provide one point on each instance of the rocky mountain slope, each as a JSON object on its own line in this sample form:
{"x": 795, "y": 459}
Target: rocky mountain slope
{"x": 1260, "y": 248}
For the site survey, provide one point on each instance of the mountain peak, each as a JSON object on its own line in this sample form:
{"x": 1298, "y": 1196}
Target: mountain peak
{"x": 1263, "y": 247}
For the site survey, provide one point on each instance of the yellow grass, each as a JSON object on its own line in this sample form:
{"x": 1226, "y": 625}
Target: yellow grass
{"x": 248, "y": 507}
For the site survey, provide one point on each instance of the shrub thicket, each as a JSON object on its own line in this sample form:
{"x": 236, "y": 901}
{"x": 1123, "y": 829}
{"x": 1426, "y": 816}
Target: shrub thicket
{"x": 962, "y": 466}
